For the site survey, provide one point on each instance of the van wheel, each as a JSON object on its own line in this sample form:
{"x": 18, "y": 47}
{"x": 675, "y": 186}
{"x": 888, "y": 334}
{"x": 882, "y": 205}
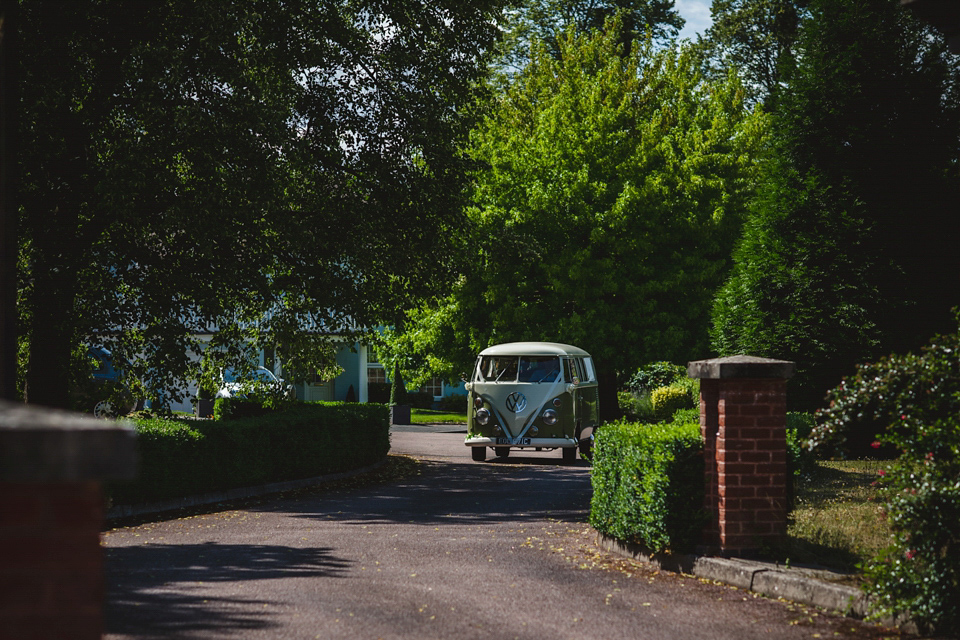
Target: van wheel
{"x": 569, "y": 455}
{"x": 479, "y": 454}
{"x": 502, "y": 452}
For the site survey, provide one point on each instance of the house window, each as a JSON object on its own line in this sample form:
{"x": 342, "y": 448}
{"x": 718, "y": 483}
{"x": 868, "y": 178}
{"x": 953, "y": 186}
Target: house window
{"x": 434, "y": 387}
{"x": 376, "y": 375}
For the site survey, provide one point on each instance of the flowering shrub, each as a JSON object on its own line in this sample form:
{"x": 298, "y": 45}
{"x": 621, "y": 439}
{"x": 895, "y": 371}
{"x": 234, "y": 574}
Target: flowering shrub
{"x": 914, "y": 401}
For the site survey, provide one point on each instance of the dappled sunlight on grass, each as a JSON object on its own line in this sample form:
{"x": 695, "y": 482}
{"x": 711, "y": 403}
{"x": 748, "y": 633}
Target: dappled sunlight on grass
{"x": 837, "y": 521}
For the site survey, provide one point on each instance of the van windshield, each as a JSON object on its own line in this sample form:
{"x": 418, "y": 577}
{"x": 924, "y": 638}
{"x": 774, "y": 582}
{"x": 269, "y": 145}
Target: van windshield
{"x": 519, "y": 368}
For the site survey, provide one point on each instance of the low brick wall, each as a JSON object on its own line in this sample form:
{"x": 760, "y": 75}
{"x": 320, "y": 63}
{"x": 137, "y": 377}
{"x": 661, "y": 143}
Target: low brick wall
{"x": 51, "y": 516}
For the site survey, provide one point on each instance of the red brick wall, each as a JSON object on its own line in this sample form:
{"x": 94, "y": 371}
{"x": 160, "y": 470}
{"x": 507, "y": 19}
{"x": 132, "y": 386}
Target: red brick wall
{"x": 709, "y": 426}
{"x": 746, "y": 468}
{"x": 51, "y": 569}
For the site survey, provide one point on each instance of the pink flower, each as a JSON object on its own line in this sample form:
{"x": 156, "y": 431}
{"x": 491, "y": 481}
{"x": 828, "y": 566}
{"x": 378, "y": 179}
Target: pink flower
{"x": 911, "y": 553}
{"x": 903, "y": 416}
{"x": 875, "y": 444}
{"x": 881, "y": 472}
{"x": 929, "y": 456}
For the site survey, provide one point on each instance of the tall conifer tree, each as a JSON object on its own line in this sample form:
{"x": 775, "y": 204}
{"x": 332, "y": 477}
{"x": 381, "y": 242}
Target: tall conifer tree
{"x": 847, "y": 251}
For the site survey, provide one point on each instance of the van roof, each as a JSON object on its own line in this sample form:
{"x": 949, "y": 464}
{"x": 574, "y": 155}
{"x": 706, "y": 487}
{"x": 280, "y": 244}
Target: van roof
{"x": 533, "y": 349}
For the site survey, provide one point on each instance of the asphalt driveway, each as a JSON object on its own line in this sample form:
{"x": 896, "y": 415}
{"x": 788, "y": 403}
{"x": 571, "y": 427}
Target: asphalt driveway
{"x": 463, "y": 550}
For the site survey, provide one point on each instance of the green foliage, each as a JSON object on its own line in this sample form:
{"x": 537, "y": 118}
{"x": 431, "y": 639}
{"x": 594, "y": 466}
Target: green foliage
{"x": 186, "y": 457}
{"x": 801, "y": 423}
{"x": 636, "y": 407}
{"x": 912, "y": 404}
{"x": 686, "y": 415}
{"x": 398, "y": 391}
{"x": 843, "y": 254}
{"x": 758, "y": 39}
{"x": 419, "y": 399}
{"x": 668, "y": 400}
{"x": 273, "y": 171}
{"x": 546, "y": 20}
{"x": 639, "y": 403}
{"x": 379, "y": 392}
{"x": 605, "y": 213}
{"x": 454, "y": 402}
{"x": 655, "y": 375}
{"x": 228, "y": 408}
{"x": 648, "y": 484}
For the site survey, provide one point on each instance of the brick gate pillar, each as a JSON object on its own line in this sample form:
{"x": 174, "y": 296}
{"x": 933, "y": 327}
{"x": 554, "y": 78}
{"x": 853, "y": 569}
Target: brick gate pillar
{"x": 743, "y": 418}
{"x": 51, "y": 514}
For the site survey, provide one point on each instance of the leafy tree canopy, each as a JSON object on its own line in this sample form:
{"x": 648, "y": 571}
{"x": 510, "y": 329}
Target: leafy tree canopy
{"x": 847, "y": 251}
{"x": 604, "y": 216}
{"x": 758, "y": 38}
{"x": 262, "y": 172}
{"x": 546, "y": 21}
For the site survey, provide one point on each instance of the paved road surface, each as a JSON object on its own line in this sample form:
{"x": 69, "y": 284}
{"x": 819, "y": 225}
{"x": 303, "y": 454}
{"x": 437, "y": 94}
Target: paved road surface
{"x": 464, "y": 550}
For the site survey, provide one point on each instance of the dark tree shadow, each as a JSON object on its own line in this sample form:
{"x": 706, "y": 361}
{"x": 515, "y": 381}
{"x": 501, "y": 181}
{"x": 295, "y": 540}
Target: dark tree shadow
{"x": 155, "y": 590}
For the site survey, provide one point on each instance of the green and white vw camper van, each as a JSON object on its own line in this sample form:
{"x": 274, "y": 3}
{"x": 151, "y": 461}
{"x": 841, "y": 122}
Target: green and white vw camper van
{"x": 532, "y": 395}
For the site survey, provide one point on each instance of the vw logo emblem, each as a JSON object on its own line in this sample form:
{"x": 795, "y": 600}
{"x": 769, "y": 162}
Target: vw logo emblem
{"x": 516, "y": 402}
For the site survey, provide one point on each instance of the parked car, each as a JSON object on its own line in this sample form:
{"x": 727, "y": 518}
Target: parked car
{"x": 104, "y": 394}
{"x": 260, "y": 380}
{"x": 533, "y": 395}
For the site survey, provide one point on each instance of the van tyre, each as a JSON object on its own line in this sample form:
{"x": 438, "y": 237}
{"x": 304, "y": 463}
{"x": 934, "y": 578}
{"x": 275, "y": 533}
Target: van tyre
{"x": 502, "y": 452}
{"x": 479, "y": 454}
{"x": 569, "y": 455}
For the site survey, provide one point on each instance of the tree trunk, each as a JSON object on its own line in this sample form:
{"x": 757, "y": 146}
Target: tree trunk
{"x": 609, "y": 407}
{"x": 52, "y": 327}
{"x": 9, "y": 201}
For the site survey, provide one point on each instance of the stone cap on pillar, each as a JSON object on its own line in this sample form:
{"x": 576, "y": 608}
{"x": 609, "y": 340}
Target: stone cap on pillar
{"x": 46, "y": 445}
{"x": 741, "y": 367}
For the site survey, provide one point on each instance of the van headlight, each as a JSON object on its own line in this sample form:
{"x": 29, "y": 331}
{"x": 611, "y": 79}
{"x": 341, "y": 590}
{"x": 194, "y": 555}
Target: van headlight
{"x": 483, "y": 416}
{"x": 549, "y": 417}
{"x": 478, "y": 402}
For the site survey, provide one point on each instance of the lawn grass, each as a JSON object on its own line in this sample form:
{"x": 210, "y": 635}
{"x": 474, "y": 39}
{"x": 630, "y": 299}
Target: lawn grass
{"x": 837, "y": 522}
{"x": 428, "y": 416}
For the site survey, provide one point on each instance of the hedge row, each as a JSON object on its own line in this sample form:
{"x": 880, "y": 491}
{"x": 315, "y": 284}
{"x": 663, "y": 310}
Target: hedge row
{"x": 648, "y": 484}
{"x": 186, "y": 457}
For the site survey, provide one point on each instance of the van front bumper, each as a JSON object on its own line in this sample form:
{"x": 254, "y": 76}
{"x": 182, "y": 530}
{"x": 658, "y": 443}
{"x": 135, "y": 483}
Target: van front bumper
{"x": 544, "y": 443}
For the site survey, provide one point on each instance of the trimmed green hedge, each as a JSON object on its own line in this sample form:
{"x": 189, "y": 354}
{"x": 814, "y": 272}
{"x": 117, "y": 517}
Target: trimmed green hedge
{"x": 648, "y": 481}
{"x": 227, "y": 408}
{"x": 648, "y": 484}
{"x": 186, "y": 457}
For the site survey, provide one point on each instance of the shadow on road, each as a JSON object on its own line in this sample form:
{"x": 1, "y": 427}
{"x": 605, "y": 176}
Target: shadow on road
{"x": 159, "y": 592}
{"x": 451, "y": 493}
